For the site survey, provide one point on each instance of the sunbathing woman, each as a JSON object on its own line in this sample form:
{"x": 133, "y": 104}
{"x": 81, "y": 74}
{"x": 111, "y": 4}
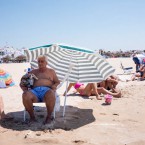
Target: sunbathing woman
{"x": 91, "y": 89}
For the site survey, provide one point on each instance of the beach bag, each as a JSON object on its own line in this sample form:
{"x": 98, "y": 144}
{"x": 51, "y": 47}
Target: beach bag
{"x": 28, "y": 80}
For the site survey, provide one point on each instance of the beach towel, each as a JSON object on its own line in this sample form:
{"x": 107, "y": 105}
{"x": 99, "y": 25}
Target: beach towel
{"x": 5, "y": 79}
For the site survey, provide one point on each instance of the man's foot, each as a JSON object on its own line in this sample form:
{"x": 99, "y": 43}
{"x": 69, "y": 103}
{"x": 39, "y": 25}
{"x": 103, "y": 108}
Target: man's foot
{"x": 5, "y": 117}
{"x": 142, "y": 79}
{"x": 31, "y": 122}
{"x": 48, "y": 120}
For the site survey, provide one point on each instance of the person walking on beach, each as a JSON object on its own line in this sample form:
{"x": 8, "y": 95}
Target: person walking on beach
{"x": 43, "y": 89}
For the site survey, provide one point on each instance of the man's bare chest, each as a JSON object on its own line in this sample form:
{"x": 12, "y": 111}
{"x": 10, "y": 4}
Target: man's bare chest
{"x": 44, "y": 76}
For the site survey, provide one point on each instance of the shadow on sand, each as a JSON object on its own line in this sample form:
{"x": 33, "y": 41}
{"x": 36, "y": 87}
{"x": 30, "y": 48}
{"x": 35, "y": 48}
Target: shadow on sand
{"x": 74, "y": 118}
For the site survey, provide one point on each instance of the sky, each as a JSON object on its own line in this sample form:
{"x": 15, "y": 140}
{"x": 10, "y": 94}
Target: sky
{"x": 110, "y": 25}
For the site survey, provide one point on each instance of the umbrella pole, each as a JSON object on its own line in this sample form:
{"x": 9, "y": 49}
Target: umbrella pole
{"x": 67, "y": 87}
{"x": 65, "y": 97}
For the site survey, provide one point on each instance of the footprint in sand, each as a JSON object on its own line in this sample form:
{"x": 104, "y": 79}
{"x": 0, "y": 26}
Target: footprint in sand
{"x": 79, "y": 141}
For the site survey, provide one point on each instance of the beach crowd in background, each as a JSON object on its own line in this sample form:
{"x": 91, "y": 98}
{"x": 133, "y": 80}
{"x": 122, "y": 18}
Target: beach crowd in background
{"x": 120, "y": 53}
{"x": 10, "y": 54}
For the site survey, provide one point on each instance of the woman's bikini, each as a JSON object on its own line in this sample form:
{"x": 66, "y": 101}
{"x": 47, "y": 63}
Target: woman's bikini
{"x": 80, "y": 88}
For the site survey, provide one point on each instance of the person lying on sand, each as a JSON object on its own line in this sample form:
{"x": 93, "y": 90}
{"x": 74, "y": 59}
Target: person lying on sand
{"x": 42, "y": 90}
{"x": 91, "y": 89}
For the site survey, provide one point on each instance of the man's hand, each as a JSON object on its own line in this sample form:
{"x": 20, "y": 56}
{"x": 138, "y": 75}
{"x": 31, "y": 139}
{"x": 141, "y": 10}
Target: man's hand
{"x": 54, "y": 88}
{"x": 24, "y": 91}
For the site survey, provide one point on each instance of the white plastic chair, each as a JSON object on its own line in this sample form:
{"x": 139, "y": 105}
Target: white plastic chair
{"x": 57, "y": 102}
{"x": 126, "y": 70}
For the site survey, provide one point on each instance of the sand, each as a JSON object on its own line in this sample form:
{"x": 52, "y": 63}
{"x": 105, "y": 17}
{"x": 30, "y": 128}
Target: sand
{"x": 87, "y": 121}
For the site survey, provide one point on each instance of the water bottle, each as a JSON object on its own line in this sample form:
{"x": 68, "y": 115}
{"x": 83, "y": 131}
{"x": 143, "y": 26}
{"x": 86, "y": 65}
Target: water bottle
{"x": 2, "y": 84}
{"x": 57, "y": 103}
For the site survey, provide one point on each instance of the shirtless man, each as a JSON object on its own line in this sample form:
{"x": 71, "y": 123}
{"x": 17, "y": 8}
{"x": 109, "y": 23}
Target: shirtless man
{"x": 43, "y": 89}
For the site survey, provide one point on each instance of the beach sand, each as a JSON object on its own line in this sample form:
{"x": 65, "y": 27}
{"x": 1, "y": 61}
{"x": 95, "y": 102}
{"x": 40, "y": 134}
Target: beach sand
{"x": 87, "y": 121}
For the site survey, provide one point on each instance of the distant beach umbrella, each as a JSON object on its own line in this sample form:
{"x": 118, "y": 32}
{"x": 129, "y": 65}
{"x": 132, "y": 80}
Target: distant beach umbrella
{"x": 6, "y": 78}
{"x": 87, "y": 66}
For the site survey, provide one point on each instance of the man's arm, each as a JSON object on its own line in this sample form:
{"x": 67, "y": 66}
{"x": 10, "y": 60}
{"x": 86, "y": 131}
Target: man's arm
{"x": 22, "y": 86}
{"x": 142, "y": 68}
{"x": 55, "y": 80}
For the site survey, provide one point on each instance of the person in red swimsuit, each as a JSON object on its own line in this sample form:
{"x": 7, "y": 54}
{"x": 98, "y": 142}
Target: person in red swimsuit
{"x": 89, "y": 90}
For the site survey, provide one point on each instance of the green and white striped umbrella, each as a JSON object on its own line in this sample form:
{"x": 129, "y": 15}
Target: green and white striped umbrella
{"x": 87, "y": 67}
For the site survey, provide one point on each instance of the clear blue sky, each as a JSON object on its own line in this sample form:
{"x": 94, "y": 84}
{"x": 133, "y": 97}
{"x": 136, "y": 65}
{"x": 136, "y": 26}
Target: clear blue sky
{"x": 93, "y": 24}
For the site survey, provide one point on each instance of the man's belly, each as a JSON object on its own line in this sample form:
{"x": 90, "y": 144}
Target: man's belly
{"x": 42, "y": 82}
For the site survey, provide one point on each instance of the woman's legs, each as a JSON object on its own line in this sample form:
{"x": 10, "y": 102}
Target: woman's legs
{"x": 91, "y": 89}
{"x": 135, "y": 75}
{"x": 69, "y": 87}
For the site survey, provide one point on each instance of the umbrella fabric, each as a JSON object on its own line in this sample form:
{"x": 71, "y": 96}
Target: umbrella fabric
{"x": 6, "y": 78}
{"x": 87, "y": 66}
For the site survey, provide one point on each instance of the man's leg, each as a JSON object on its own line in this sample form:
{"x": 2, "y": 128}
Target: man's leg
{"x": 49, "y": 99}
{"x": 28, "y": 100}
{"x": 143, "y": 76}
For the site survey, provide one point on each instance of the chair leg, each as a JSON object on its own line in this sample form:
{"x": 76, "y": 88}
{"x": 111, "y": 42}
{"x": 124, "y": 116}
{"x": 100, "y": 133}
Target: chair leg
{"x": 24, "y": 115}
{"x": 54, "y": 112}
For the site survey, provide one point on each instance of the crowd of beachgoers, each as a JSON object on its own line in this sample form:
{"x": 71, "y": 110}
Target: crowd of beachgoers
{"x": 114, "y": 54}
